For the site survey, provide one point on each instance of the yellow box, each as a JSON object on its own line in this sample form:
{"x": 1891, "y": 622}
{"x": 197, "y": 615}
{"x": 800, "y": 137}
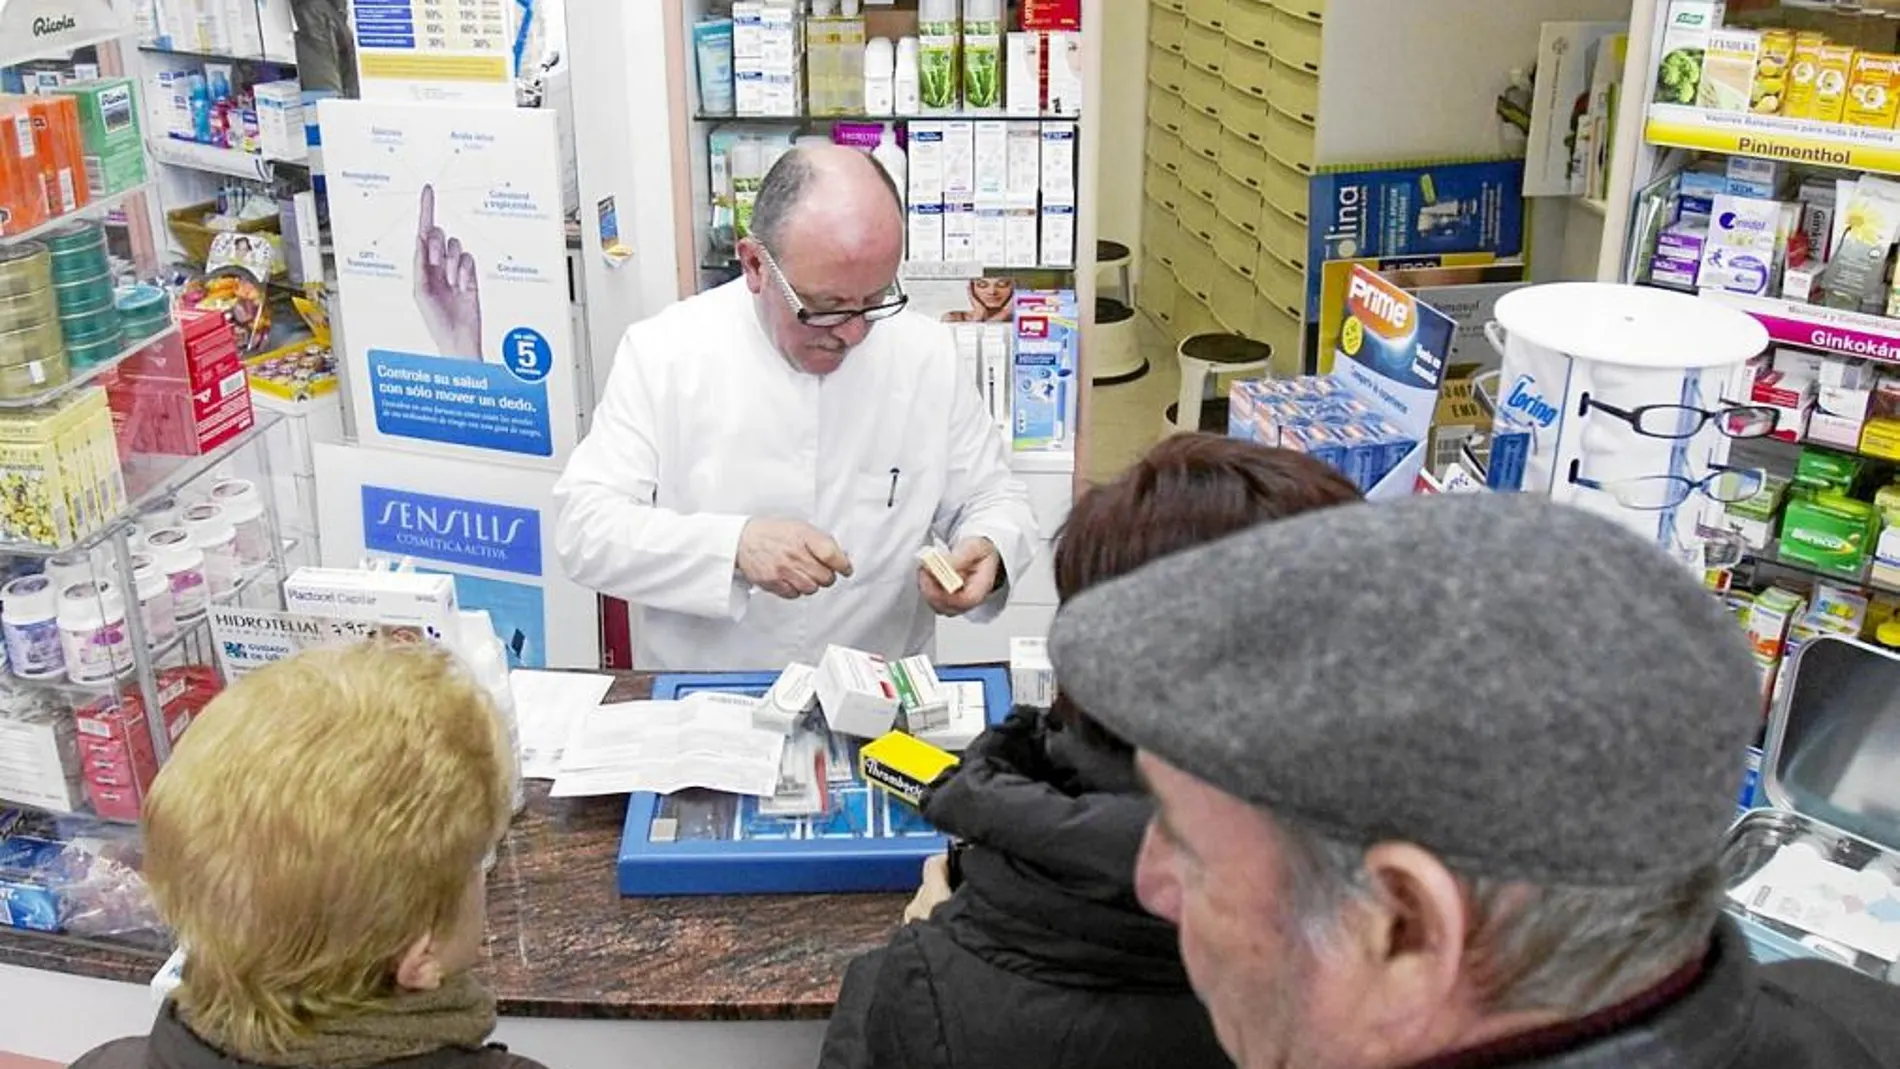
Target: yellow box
{"x": 1771, "y": 72}
{"x": 1805, "y": 64}
{"x": 903, "y": 765}
{"x": 1873, "y": 91}
{"x": 1832, "y": 70}
{"x": 1881, "y": 438}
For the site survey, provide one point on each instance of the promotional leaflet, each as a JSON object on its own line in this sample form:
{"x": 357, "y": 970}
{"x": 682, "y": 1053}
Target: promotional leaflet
{"x": 1392, "y": 355}
{"x": 452, "y": 267}
{"x": 1478, "y": 279}
{"x": 439, "y": 51}
{"x": 494, "y": 540}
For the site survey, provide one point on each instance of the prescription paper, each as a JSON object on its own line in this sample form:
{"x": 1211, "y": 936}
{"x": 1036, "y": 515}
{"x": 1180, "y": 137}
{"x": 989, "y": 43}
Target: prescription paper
{"x": 708, "y": 741}
{"x": 547, "y": 705}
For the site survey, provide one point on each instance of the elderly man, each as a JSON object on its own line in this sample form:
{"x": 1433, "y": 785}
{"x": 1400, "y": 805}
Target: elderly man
{"x": 1444, "y": 783}
{"x": 770, "y": 456}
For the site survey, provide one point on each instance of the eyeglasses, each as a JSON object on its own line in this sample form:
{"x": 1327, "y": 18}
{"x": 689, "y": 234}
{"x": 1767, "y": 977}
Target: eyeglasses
{"x": 836, "y": 317}
{"x": 1683, "y": 421}
{"x": 1655, "y": 493}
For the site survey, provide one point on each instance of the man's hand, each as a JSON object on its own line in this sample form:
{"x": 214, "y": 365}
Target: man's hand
{"x": 933, "y": 892}
{"x": 790, "y": 558}
{"x": 978, "y": 562}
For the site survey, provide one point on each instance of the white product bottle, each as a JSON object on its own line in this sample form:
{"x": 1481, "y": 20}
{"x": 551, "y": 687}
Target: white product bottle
{"x": 893, "y": 160}
{"x": 906, "y": 91}
{"x": 880, "y": 74}
{"x": 482, "y": 651}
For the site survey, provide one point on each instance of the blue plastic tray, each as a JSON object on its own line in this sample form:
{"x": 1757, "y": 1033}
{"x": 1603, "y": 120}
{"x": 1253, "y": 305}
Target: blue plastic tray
{"x": 732, "y": 866}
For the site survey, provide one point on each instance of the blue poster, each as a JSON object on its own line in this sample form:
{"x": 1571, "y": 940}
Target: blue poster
{"x": 452, "y": 530}
{"x": 517, "y": 610}
{"x": 460, "y": 402}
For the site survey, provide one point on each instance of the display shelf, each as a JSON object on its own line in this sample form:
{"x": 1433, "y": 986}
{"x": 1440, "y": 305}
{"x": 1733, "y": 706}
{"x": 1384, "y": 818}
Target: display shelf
{"x": 1771, "y": 557}
{"x": 1827, "y": 330}
{"x": 215, "y": 57}
{"x": 1770, "y": 137}
{"x": 213, "y": 160}
{"x": 153, "y": 477}
{"x": 93, "y": 207}
{"x": 949, "y": 116}
{"x": 87, "y": 375}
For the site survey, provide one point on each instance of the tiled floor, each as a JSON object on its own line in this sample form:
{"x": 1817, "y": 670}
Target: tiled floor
{"x": 1124, "y": 420}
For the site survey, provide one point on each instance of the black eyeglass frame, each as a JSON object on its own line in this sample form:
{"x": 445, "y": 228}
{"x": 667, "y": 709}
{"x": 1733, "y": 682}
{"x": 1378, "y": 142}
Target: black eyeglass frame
{"x": 835, "y": 318}
{"x": 1634, "y": 417}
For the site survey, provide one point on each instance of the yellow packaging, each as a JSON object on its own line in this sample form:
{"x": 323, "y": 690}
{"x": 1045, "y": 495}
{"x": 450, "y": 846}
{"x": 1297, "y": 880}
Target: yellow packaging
{"x": 1728, "y": 70}
{"x": 1881, "y": 438}
{"x": 1831, "y": 73}
{"x": 32, "y": 497}
{"x": 902, "y": 765}
{"x": 1771, "y": 72}
{"x": 1805, "y": 64}
{"x": 1873, "y": 91}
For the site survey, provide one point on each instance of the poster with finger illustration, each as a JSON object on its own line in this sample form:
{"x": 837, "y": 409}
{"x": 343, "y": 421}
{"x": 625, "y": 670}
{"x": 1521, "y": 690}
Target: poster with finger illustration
{"x": 452, "y": 276}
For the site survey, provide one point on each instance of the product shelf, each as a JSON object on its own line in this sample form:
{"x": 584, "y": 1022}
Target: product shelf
{"x": 216, "y": 57}
{"x": 1770, "y": 137}
{"x": 1827, "y": 330}
{"x": 150, "y": 477}
{"x": 1771, "y": 557}
{"x": 86, "y": 376}
{"x": 93, "y": 207}
{"x": 214, "y": 160}
{"x": 948, "y": 116}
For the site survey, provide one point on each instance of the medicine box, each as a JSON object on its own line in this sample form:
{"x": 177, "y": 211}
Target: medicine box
{"x": 419, "y": 602}
{"x": 280, "y": 119}
{"x": 109, "y": 128}
{"x": 1032, "y": 677}
{"x": 856, "y": 692}
{"x": 921, "y": 697}
{"x": 793, "y": 694}
{"x": 903, "y": 765}
{"x": 39, "y": 759}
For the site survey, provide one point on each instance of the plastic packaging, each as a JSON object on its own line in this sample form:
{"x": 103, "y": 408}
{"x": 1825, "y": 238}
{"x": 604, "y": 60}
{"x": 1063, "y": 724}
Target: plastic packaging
{"x": 482, "y": 651}
{"x": 184, "y": 566}
{"x": 712, "y": 46}
{"x": 894, "y": 162}
{"x": 244, "y": 507}
{"x": 92, "y": 631}
{"x": 156, "y": 605}
{"x": 216, "y": 537}
{"x": 983, "y": 54}
{"x": 906, "y": 91}
{"x": 880, "y": 76}
{"x": 937, "y": 40}
{"x": 29, "y": 611}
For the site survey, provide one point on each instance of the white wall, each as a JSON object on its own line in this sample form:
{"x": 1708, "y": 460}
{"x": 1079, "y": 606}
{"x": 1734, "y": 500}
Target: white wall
{"x": 1124, "y": 112}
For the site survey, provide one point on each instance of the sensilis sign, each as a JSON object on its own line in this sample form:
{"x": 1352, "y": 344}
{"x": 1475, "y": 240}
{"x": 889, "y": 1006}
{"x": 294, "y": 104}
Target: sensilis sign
{"x": 452, "y": 530}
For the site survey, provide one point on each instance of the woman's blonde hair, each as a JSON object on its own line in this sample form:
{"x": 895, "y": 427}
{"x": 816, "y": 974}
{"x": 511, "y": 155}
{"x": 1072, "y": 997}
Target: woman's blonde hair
{"x": 318, "y": 817}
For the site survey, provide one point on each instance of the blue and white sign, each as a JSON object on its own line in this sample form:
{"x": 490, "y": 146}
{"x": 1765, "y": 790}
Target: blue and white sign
{"x": 452, "y": 530}
{"x": 452, "y": 271}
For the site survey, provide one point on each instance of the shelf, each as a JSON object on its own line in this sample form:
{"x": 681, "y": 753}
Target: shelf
{"x": 1820, "y": 144}
{"x": 1827, "y": 330}
{"x": 94, "y": 206}
{"x": 213, "y": 160}
{"x": 87, "y": 375}
{"x": 1771, "y": 557}
{"x": 28, "y": 34}
{"x": 213, "y": 57}
{"x": 955, "y": 116}
{"x": 145, "y": 487}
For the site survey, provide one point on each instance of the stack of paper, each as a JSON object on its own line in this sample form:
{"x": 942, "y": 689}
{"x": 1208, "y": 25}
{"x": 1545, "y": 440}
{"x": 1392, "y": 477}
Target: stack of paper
{"x": 547, "y": 705}
{"x": 708, "y": 740}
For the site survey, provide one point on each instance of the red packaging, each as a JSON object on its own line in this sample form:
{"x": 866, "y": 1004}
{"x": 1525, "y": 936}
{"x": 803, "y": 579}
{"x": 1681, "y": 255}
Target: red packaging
{"x": 61, "y": 155}
{"x": 1052, "y": 14}
{"x": 22, "y": 191}
{"x": 182, "y": 397}
{"x": 117, "y": 758}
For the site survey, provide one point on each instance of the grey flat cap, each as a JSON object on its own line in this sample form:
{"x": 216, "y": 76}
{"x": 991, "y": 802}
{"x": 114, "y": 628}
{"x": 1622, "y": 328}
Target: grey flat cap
{"x": 1525, "y": 689}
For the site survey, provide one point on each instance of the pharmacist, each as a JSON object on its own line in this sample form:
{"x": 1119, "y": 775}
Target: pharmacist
{"x": 771, "y": 455}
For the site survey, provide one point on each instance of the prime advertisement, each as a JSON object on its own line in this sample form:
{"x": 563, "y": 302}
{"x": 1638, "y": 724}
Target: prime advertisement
{"x": 451, "y": 263}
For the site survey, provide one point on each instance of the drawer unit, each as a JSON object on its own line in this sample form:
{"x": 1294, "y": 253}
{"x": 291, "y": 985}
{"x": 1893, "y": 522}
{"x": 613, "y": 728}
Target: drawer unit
{"x": 1161, "y": 186}
{"x": 1164, "y": 150}
{"x": 1296, "y": 40}
{"x": 1243, "y": 160}
{"x": 1196, "y": 280}
{"x": 1179, "y": 7}
{"x": 1282, "y": 284}
{"x": 1247, "y": 116}
{"x": 1209, "y": 14}
{"x": 1241, "y": 205}
{"x": 1203, "y": 92}
{"x": 1167, "y": 29}
{"x": 1295, "y": 92}
{"x": 1313, "y": 11}
{"x": 1272, "y": 324}
{"x": 1158, "y": 292}
{"x": 1200, "y": 136}
{"x": 1288, "y": 190}
{"x": 1206, "y": 48}
{"x": 1160, "y": 233}
{"x": 1250, "y": 22}
{"x": 1198, "y": 218}
{"x": 1166, "y": 69}
{"x": 1165, "y": 109}
{"x": 1248, "y": 70}
{"x": 1200, "y": 179}
{"x": 1233, "y": 301}
{"x": 1194, "y": 316}
{"x": 1291, "y": 141}
{"x": 1236, "y": 248}
{"x": 1282, "y": 238}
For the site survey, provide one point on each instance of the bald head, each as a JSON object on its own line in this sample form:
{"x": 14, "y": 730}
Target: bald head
{"x": 834, "y": 194}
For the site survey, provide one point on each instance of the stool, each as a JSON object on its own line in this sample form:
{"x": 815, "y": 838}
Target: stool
{"x": 1116, "y": 357}
{"x": 1114, "y": 256}
{"x": 1203, "y": 356}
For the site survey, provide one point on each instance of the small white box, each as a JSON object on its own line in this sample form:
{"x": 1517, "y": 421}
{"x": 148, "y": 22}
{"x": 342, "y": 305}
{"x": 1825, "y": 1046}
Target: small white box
{"x": 793, "y": 695}
{"x": 1760, "y": 179}
{"x": 748, "y": 92}
{"x": 925, "y": 164}
{"x": 1022, "y": 74}
{"x": 748, "y": 30}
{"x": 1843, "y": 374}
{"x": 1032, "y": 678}
{"x": 959, "y": 233}
{"x": 1063, "y": 57}
{"x": 39, "y": 760}
{"x": 921, "y": 696}
{"x": 280, "y": 125}
{"x": 959, "y": 162}
{"x": 1021, "y": 238}
{"x": 420, "y": 600}
{"x": 856, "y": 693}
{"x": 1058, "y": 235}
{"x": 1740, "y": 256}
{"x": 969, "y": 716}
{"x": 992, "y": 237}
{"x": 1058, "y": 163}
{"x": 992, "y": 164}
{"x": 924, "y": 233}
{"x": 1024, "y": 167}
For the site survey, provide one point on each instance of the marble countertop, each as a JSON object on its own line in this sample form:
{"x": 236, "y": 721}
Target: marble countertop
{"x": 562, "y": 942}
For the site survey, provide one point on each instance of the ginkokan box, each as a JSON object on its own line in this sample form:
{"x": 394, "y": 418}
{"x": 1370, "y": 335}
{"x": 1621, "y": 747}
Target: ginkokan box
{"x": 109, "y": 129}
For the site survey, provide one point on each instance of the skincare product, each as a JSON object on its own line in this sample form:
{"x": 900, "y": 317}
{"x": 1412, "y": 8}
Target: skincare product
{"x": 893, "y": 160}
{"x": 1062, "y": 58}
{"x": 937, "y": 39}
{"x": 1022, "y": 74}
{"x": 92, "y": 631}
{"x": 906, "y": 78}
{"x": 880, "y": 74}
{"x": 983, "y": 54}
{"x": 29, "y": 618}
{"x": 712, "y": 47}
{"x": 423, "y": 602}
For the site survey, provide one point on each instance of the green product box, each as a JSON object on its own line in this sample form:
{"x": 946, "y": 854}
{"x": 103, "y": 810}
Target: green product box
{"x": 1831, "y": 533}
{"x": 1765, "y": 503}
{"x": 109, "y": 126}
{"x": 1825, "y": 470}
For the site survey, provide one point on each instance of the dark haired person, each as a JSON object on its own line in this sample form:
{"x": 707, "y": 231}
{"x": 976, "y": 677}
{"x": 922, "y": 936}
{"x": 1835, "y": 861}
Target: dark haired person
{"x": 1042, "y": 957}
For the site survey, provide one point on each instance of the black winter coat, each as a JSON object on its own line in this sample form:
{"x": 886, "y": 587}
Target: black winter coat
{"x": 1043, "y": 958}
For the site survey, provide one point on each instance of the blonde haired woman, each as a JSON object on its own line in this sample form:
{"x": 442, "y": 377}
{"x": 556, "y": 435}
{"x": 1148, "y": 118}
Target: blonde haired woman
{"x": 317, "y": 842}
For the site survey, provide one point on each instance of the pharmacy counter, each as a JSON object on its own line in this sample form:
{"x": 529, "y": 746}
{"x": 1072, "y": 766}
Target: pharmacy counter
{"x": 562, "y": 944}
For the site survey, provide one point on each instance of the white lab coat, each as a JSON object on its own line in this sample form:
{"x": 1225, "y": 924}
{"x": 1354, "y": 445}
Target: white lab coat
{"x": 704, "y": 426}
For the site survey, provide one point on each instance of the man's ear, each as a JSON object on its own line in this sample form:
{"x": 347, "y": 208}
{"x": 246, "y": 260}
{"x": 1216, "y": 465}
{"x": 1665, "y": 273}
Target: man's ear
{"x": 419, "y": 968}
{"x": 1413, "y": 939}
{"x": 751, "y": 264}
